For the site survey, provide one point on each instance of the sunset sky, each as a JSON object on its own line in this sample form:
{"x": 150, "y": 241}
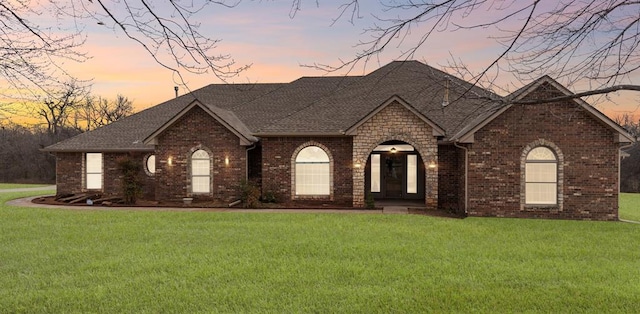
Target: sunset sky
{"x": 262, "y": 34}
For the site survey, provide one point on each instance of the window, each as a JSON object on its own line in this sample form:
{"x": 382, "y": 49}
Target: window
{"x": 375, "y": 173}
{"x": 151, "y": 164}
{"x": 200, "y": 172}
{"x": 93, "y": 166}
{"x": 312, "y": 172}
{"x": 541, "y": 177}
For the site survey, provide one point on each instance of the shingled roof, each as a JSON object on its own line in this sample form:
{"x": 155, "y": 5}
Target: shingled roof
{"x": 307, "y": 106}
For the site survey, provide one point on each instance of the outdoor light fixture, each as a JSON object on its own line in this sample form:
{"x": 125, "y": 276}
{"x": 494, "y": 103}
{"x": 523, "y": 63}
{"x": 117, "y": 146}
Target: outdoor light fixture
{"x": 432, "y": 164}
{"x": 170, "y": 161}
{"x": 393, "y": 150}
{"x": 357, "y": 165}
{"x": 226, "y": 160}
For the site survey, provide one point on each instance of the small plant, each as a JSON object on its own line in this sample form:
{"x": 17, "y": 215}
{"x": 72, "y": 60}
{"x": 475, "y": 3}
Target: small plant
{"x": 131, "y": 185}
{"x": 249, "y": 194}
{"x": 269, "y": 197}
{"x": 369, "y": 201}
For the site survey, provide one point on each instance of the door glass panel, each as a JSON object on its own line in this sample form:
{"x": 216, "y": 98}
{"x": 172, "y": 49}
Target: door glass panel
{"x": 394, "y": 175}
{"x": 375, "y": 173}
{"x": 412, "y": 174}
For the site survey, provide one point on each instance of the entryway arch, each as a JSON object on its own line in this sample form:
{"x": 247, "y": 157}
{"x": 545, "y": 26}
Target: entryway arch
{"x": 395, "y": 121}
{"x": 395, "y": 170}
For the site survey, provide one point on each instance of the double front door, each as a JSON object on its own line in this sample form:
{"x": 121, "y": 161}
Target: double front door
{"x": 396, "y": 175}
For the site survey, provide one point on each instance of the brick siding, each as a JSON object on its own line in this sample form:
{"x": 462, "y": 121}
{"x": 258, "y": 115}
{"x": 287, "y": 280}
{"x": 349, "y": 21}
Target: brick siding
{"x": 451, "y": 178}
{"x": 69, "y": 174}
{"x": 589, "y": 169}
{"x": 198, "y": 130}
{"x": 277, "y": 156}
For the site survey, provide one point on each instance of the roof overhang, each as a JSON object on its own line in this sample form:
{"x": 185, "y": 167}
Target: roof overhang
{"x": 436, "y": 129}
{"x": 245, "y": 138}
{"x": 101, "y": 150}
{"x": 284, "y": 134}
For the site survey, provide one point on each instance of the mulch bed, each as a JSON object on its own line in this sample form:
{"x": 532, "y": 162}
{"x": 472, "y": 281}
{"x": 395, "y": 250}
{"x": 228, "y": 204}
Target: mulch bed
{"x": 98, "y": 200}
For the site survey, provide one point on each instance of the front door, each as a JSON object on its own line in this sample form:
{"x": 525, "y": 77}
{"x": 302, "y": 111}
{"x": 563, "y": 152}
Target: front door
{"x": 398, "y": 175}
{"x": 393, "y": 175}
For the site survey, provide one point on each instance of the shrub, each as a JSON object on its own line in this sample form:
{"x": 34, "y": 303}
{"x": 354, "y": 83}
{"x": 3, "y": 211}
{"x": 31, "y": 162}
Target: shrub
{"x": 249, "y": 194}
{"x": 269, "y": 197}
{"x": 369, "y": 201}
{"x": 131, "y": 183}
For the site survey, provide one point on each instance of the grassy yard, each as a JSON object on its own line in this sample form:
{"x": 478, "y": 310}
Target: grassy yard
{"x": 630, "y": 206}
{"x": 4, "y": 186}
{"x": 152, "y": 262}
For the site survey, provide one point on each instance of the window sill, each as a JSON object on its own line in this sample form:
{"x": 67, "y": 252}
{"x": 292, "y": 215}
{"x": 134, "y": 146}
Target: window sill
{"x": 313, "y": 197}
{"x": 533, "y": 207}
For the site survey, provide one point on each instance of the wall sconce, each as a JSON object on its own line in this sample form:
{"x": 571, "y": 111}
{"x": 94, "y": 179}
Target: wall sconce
{"x": 226, "y": 160}
{"x": 357, "y": 165}
{"x": 170, "y": 161}
{"x": 432, "y": 164}
{"x": 393, "y": 150}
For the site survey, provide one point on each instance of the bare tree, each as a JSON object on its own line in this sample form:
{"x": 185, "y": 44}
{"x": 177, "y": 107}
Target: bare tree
{"x": 59, "y": 107}
{"x": 569, "y": 40}
{"x": 95, "y": 112}
{"x": 629, "y": 123}
{"x": 32, "y": 55}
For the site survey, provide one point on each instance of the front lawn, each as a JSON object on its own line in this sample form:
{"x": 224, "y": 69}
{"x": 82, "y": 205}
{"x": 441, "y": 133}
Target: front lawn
{"x": 630, "y": 206}
{"x": 4, "y": 186}
{"x": 136, "y": 262}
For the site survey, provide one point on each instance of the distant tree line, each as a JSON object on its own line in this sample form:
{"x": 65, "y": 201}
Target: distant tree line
{"x": 21, "y": 160}
{"x": 630, "y": 165}
{"x": 64, "y": 114}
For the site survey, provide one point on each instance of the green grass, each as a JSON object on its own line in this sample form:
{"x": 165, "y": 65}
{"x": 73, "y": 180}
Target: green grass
{"x": 630, "y": 206}
{"x": 4, "y": 186}
{"x": 152, "y": 262}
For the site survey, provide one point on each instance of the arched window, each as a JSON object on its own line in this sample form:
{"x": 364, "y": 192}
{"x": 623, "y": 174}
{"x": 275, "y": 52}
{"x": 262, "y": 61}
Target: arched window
{"x": 200, "y": 172}
{"x": 312, "y": 172}
{"x": 541, "y": 177}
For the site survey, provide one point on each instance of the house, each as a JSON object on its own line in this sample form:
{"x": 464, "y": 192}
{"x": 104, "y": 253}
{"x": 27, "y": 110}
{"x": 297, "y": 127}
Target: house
{"x": 404, "y": 131}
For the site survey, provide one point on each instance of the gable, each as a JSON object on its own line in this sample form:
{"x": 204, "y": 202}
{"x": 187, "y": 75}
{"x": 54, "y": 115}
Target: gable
{"x": 224, "y": 117}
{"x": 543, "y": 88}
{"x": 396, "y": 104}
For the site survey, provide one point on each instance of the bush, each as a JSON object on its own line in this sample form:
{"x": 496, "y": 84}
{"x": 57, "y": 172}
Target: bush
{"x": 249, "y": 194}
{"x": 269, "y": 197}
{"x": 131, "y": 183}
{"x": 369, "y": 201}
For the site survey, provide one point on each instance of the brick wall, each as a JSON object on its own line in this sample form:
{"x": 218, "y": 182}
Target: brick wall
{"x": 68, "y": 173}
{"x": 277, "y": 155}
{"x": 198, "y": 130}
{"x": 588, "y": 173}
{"x": 395, "y": 122}
{"x": 112, "y": 180}
{"x": 451, "y": 178}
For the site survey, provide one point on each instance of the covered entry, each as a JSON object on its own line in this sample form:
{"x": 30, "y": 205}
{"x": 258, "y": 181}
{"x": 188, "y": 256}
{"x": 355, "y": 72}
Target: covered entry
{"x": 395, "y": 170}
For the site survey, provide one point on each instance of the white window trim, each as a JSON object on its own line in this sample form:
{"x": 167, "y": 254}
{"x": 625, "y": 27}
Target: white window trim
{"x": 209, "y": 176}
{"x": 559, "y": 204}
{"x": 87, "y": 172}
{"x": 294, "y": 194}
{"x": 146, "y": 165}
